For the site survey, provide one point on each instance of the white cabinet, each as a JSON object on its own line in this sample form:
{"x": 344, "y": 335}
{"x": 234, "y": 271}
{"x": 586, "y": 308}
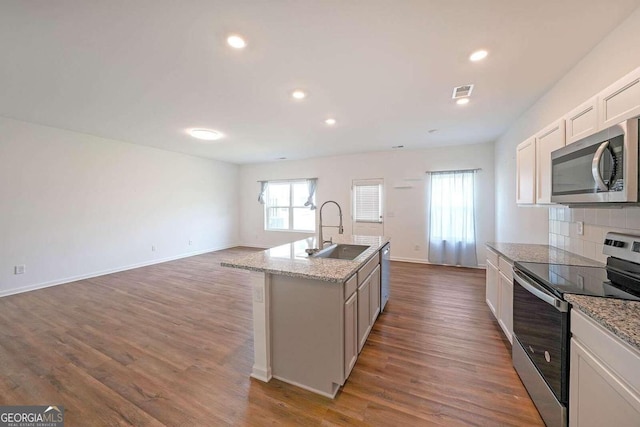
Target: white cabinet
{"x": 604, "y": 380}
{"x": 547, "y": 140}
{"x": 525, "y": 172}
{"x": 350, "y": 333}
{"x": 505, "y": 316}
{"x": 364, "y": 318}
{"x": 582, "y": 121}
{"x": 374, "y": 296}
{"x": 620, "y": 101}
{"x": 499, "y": 291}
{"x": 492, "y": 283}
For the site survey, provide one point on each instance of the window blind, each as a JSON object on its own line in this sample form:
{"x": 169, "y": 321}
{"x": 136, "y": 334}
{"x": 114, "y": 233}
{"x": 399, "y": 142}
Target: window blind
{"x": 368, "y": 203}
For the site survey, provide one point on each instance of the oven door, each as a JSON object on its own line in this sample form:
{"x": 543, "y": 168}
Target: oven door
{"x": 541, "y": 325}
{"x": 599, "y": 168}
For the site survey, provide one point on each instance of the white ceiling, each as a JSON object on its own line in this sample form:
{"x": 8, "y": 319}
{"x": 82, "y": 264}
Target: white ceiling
{"x": 144, "y": 71}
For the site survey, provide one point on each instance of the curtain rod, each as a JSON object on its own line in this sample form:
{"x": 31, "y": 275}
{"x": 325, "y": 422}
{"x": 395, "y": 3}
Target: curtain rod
{"x": 284, "y": 180}
{"x": 456, "y": 170}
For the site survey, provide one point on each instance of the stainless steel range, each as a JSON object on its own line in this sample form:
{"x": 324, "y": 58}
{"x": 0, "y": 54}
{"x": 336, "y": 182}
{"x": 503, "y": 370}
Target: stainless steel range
{"x": 541, "y": 317}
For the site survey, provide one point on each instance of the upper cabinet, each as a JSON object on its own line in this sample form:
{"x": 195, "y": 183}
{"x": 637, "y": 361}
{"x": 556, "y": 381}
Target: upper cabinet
{"x": 547, "y": 140}
{"x": 525, "y": 172}
{"x": 620, "y": 101}
{"x": 615, "y": 104}
{"x": 582, "y": 121}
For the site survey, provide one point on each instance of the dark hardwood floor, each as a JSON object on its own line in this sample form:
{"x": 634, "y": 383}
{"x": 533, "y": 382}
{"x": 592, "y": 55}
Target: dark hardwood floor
{"x": 171, "y": 344}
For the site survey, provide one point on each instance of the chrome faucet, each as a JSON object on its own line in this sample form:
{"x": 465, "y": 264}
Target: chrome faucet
{"x": 339, "y": 227}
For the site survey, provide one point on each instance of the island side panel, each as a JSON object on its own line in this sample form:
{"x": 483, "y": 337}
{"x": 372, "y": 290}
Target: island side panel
{"x": 307, "y": 324}
{"x": 260, "y": 284}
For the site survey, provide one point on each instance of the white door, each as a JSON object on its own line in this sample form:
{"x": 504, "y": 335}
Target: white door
{"x": 367, "y": 207}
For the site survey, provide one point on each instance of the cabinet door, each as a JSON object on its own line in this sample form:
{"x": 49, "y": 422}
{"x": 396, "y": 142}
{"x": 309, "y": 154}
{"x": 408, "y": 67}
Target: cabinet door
{"x": 350, "y": 334}
{"x": 492, "y": 288}
{"x": 505, "y": 318}
{"x": 620, "y": 101}
{"x": 374, "y": 297}
{"x": 364, "y": 318}
{"x": 597, "y": 397}
{"x": 549, "y": 139}
{"x": 525, "y": 172}
{"x": 582, "y": 121}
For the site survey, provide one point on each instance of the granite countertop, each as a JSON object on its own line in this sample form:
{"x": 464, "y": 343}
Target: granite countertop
{"x": 291, "y": 259}
{"x": 618, "y": 316}
{"x": 523, "y": 252}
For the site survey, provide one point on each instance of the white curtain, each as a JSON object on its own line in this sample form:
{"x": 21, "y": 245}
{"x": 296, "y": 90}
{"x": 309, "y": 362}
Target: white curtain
{"x": 312, "y": 184}
{"x": 263, "y": 191}
{"x": 452, "y": 231}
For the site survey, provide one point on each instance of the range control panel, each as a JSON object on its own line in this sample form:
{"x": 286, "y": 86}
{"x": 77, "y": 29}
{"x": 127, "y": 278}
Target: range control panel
{"x": 624, "y": 246}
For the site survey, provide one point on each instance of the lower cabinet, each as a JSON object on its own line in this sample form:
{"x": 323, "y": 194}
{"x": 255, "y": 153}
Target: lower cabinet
{"x": 505, "y": 316}
{"x": 499, "y": 291}
{"x": 604, "y": 380}
{"x": 364, "y": 317}
{"x": 350, "y": 333}
{"x": 374, "y": 296}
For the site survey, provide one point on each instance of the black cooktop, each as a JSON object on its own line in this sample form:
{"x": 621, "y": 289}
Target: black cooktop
{"x": 582, "y": 280}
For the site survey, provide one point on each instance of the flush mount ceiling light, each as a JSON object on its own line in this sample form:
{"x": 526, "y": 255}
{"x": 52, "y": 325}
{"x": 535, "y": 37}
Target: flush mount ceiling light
{"x": 478, "y": 55}
{"x": 298, "y": 94}
{"x": 330, "y": 122}
{"x": 462, "y": 101}
{"x": 236, "y": 42}
{"x": 206, "y": 134}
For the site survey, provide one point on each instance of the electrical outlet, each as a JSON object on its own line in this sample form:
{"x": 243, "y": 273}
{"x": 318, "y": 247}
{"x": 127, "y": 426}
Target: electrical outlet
{"x": 153, "y": 248}
{"x": 580, "y": 225}
{"x": 20, "y": 269}
{"x": 190, "y": 242}
{"x": 416, "y": 248}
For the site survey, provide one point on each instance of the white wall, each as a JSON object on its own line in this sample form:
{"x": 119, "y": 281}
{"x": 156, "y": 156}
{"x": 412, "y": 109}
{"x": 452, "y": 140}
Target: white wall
{"x": 406, "y": 216}
{"x": 74, "y": 205}
{"x": 611, "y": 59}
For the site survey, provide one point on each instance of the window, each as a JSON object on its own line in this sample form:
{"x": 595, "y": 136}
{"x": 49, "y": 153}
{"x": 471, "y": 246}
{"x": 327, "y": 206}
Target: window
{"x": 285, "y": 206}
{"x": 452, "y": 238}
{"x": 367, "y": 201}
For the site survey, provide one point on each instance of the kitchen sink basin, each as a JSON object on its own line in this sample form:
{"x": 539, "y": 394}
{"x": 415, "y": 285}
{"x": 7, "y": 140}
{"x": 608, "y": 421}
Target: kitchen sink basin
{"x": 339, "y": 251}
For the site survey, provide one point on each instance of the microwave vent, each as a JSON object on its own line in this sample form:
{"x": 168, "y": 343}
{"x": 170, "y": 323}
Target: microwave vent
{"x": 462, "y": 91}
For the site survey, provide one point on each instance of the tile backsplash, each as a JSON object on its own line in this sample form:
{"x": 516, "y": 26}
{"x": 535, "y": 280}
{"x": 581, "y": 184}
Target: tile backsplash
{"x": 563, "y": 228}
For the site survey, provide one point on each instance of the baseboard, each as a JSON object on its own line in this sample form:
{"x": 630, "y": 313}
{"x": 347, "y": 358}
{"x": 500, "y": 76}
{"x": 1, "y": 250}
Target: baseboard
{"x": 424, "y": 261}
{"x": 108, "y": 271}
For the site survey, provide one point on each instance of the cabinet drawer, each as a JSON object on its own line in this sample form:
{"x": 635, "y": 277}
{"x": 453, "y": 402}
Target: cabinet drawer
{"x": 505, "y": 268}
{"x": 618, "y": 356}
{"x": 350, "y": 286}
{"x": 365, "y": 271}
{"x": 492, "y": 256}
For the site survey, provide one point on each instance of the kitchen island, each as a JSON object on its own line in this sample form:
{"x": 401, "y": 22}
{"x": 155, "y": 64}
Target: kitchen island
{"x": 312, "y": 315}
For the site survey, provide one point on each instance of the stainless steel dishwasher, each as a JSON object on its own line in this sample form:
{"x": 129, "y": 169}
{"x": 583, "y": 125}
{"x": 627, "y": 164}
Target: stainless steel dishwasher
{"x": 384, "y": 275}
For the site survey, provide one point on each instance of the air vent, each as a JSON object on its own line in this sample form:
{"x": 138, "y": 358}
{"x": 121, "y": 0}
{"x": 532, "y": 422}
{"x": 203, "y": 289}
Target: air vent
{"x": 462, "y": 91}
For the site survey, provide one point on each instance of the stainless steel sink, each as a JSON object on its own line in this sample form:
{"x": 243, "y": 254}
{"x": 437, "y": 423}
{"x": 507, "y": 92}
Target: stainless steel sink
{"x": 339, "y": 251}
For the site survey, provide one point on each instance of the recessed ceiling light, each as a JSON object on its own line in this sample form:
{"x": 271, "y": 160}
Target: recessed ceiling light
{"x": 298, "y": 94}
{"x": 433, "y": 130}
{"x": 330, "y": 122}
{"x": 462, "y": 101}
{"x": 398, "y": 146}
{"x": 236, "y": 42}
{"x": 478, "y": 55}
{"x": 206, "y": 134}
{"x": 281, "y": 158}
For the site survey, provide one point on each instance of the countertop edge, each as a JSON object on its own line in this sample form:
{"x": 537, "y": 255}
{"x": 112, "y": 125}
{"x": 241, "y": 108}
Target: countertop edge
{"x": 631, "y": 339}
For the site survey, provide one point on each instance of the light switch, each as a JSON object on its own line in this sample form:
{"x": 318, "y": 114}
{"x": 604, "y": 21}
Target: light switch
{"x": 580, "y": 225}
{"x": 258, "y": 294}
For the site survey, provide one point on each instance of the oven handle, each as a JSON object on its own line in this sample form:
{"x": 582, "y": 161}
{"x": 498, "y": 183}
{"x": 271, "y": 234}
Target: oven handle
{"x": 595, "y": 167}
{"x": 539, "y": 292}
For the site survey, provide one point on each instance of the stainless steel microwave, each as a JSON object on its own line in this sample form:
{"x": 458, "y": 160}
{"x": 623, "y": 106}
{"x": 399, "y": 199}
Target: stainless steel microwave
{"x": 602, "y": 168}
